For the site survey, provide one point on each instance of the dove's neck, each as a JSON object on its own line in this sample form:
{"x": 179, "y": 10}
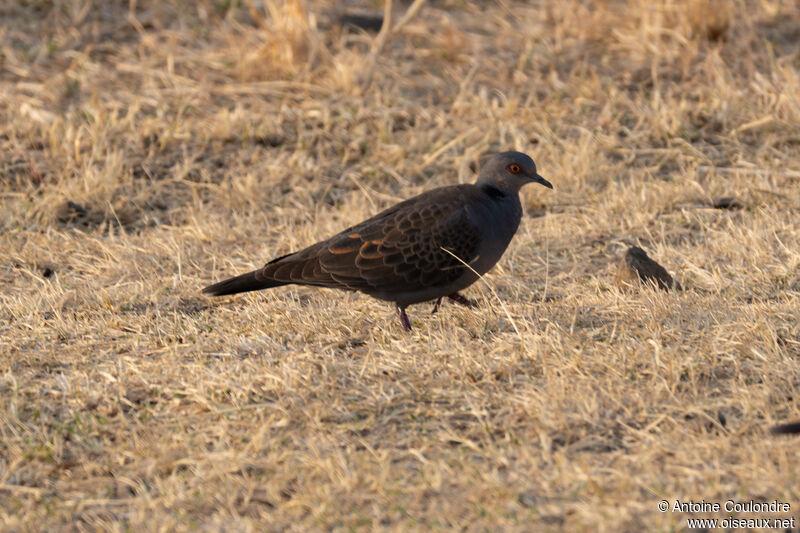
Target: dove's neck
{"x": 505, "y": 211}
{"x": 498, "y": 216}
{"x": 492, "y": 191}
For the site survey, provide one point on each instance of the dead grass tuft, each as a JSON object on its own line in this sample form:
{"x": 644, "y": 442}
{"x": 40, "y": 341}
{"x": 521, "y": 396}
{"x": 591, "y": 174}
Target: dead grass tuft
{"x": 286, "y": 43}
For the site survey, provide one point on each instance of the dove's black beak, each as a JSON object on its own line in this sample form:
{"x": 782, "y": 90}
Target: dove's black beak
{"x": 540, "y": 180}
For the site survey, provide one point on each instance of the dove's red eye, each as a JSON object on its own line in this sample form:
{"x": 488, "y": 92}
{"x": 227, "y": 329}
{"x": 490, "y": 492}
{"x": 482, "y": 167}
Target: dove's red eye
{"x": 513, "y": 168}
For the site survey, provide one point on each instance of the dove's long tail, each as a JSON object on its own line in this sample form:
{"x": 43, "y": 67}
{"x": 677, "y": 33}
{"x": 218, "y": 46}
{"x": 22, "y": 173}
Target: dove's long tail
{"x": 786, "y": 429}
{"x": 252, "y": 281}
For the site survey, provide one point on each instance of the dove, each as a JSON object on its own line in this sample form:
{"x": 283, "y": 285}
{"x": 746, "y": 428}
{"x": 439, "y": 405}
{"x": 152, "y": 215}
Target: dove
{"x": 431, "y": 246}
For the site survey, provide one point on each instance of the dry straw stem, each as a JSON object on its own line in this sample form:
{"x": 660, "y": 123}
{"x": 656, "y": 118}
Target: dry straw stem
{"x": 489, "y": 286}
{"x": 144, "y": 160}
{"x": 383, "y": 35}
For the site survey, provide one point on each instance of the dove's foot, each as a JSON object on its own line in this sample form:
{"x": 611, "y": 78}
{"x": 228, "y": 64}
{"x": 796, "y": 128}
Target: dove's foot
{"x": 462, "y": 300}
{"x": 404, "y": 318}
{"x": 457, "y": 298}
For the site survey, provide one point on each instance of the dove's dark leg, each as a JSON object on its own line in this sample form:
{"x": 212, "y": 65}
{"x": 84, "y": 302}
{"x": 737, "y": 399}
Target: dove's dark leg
{"x": 404, "y": 318}
{"x": 436, "y": 306}
{"x": 463, "y": 300}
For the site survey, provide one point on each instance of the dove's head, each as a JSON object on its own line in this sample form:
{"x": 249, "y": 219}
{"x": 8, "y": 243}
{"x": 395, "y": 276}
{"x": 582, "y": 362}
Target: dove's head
{"x": 508, "y": 171}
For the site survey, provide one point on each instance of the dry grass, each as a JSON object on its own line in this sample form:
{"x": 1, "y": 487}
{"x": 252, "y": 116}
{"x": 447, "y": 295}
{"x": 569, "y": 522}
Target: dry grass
{"x": 197, "y": 140}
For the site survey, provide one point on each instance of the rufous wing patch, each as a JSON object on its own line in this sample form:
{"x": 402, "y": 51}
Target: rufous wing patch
{"x": 341, "y": 250}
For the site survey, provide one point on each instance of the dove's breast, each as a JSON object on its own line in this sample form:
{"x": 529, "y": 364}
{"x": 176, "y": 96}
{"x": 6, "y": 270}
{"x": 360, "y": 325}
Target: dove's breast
{"x": 498, "y": 219}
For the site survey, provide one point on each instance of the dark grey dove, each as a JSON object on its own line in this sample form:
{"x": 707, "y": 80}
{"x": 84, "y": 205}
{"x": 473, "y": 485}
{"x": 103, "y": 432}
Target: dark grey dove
{"x": 414, "y": 251}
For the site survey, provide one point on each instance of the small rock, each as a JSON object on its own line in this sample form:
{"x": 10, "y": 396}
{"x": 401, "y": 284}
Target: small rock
{"x": 150, "y": 140}
{"x": 139, "y": 395}
{"x": 371, "y": 23}
{"x": 69, "y": 211}
{"x": 636, "y": 266}
{"x": 77, "y": 208}
{"x": 270, "y": 140}
{"x": 727, "y": 202}
{"x": 528, "y": 499}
